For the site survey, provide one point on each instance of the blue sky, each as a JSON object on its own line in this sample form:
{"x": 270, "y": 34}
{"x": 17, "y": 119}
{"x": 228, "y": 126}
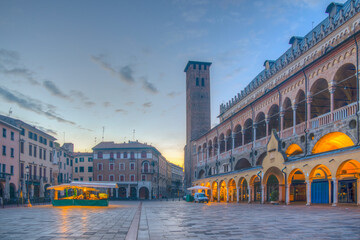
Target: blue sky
{"x": 74, "y": 67}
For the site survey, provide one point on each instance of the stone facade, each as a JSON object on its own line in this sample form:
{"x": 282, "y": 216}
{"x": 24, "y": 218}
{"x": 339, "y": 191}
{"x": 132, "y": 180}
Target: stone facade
{"x": 83, "y": 167}
{"x": 307, "y": 102}
{"x": 63, "y": 164}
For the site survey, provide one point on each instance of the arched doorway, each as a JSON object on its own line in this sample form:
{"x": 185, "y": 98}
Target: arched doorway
{"x": 347, "y": 189}
{"x": 144, "y": 193}
{"x": 208, "y": 191}
{"x": 320, "y": 187}
{"x": 133, "y": 194}
{"x": 215, "y": 191}
{"x": 1, "y": 190}
{"x": 201, "y": 174}
{"x": 297, "y": 186}
{"x": 332, "y": 141}
{"x": 223, "y": 192}
{"x": 12, "y": 191}
{"x": 122, "y": 192}
{"x": 232, "y": 190}
{"x": 256, "y": 183}
{"x": 243, "y": 188}
{"x": 272, "y": 189}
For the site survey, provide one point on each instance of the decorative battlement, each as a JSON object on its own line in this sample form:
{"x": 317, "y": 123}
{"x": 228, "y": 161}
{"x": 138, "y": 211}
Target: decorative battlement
{"x": 338, "y": 15}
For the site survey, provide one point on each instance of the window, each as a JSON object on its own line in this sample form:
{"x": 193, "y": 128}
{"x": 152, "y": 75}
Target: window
{"x": 30, "y": 135}
{"x": 35, "y": 136}
{"x": 100, "y": 155}
{"x": 132, "y": 155}
{"x": 204, "y": 67}
{"x": 12, "y": 136}
{"x": 118, "y": 155}
{"x": 81, "y": 169}
{"x": 76, "y": 169}
{"x": 40, "y": 153}
{"x": 202, "y": 82}
{"x": 111, "y": 178}
{"x": 12, "y": 152}
{"x": 145, "y": 167}
{"x": 4, "y": 150}
{"x": 12, "y": 170}
{"x": 197, "y": 81}
{"x": 122, "y": 166}
{"x": 4, "y": 168}
{"x": 22, "y": 132}
{"x": 64, "y": 154}
{"x": 30, "y": 150}
{"x": 81, "y": 179}
{"x": 51, "y": 144}
{"x": 90, "y": 169}
{"x": 21, "y": 170}
{"x": 22, "y": 147}
{"x": 81, "y": 159}
{"x": 99, "y": 166}
{"x": 90, "y": 159}
{"x": 41, "y": 139}
{"x": 35, "y": 170}
{"x": 199, "y": 66}
{"x": 40, "y": 171}
{"x": 90, "y": 179}
{"x": 44, "y": 154}
{"x": 71, "y": 162}
{"x": 194, "y": 66}
{"x": 35, "y": 148}
{"x": 111, "y": 155}
{"x": 132, "y": 166}
{"x": 100, "y": 178}
{"x": 44, "y": 172}
{"x": 125, "y": 155}
{"x": 111, "y": 166}
{"x": 143, "y": 154}
{"x": 132, "y": 178}
{"x": 76, "y": 160}
{"x": 143, "y": 177}
{"x": 122, "y": 178}
{"x": 50, "y": 156}
{"x": 67, "y": 161}
{"x": 4, "y": 132}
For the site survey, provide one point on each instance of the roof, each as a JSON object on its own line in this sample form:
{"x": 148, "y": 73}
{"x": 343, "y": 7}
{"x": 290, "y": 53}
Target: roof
{"x": 343, "y": 13}
{"x": 18, "y": 123}
{"x": 128, "y": 145}
{"x": 82, "y": 154}
{"x": 196, "y": 62}
{"x": 10, "y": 125}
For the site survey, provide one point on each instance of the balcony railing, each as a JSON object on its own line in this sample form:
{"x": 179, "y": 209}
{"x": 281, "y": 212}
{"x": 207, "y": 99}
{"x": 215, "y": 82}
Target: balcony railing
{"x": 300, "y": 128}
{"x": 287, "y": 132}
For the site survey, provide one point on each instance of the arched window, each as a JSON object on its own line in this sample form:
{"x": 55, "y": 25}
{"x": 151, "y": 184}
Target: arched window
{"x": 260, "y": 126}
{"x": 228, "y": 140}
{"x": 143, "y": 154}
{"x": 274, "y": 118}
{"x": 100, "y": 155}
{"x": 238, "y": 136}
{"x": 248, "y": 131}
{"x": 222, "y": 143}
{"x": 145, "y": 167}
{"x": 288, "y": 114}
{"x": 320, "y": 95}
{"x": 300, "y": 107}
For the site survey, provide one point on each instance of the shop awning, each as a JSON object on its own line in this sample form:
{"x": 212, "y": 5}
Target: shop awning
{"x": 198, "y": 188}
{"x": 84, "y": 185}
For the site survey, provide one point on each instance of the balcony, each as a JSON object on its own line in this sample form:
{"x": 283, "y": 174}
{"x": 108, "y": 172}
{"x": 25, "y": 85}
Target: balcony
{"x": 148, "y": 171}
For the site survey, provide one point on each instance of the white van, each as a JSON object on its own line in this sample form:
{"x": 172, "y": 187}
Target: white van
{"x": 200, "y": 197}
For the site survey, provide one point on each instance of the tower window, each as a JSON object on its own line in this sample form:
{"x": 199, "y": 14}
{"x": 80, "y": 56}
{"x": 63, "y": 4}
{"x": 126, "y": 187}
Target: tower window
{"x": 199, "y": 66}
{"x": 194, "y": 66}
{"x": 204, "y": 67}
{"x": 197, "y": 81}
{"x": 202, "y": 82}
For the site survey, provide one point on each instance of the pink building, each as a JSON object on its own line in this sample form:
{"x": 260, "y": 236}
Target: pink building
{"x": 9, "y": 160}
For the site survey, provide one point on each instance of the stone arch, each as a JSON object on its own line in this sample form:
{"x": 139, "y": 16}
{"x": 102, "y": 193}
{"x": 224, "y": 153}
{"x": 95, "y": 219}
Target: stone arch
{"x": 345, "y": 85}
{"x": 347, "y": 174}
{"x": 248, "y": 131}
{"x": 332, "y": 141}
{"x": 274, "y": 118}
{"x": 260, "y": 159}
{"x": 201, "y": 174}
{"x": 255, "y": 184}
{"x": 232, "y": 190}
{"x": 222, "y": 143}
{"x": 297, "y": 183}
{"x": 243, "y": 189}
{"x": 288, "y": 114}
{"x": 260, "y": 125}
{"x": 348, "y": 169}
{"x": 214, "y": 189}
{"x": 228, "y": 140}
{"x": 274, "y": 183}
{"x": 238, "y": 136}
{"x": 122, "y": 192}
{"x": 216, "y": 146}
{"x": 223, "y": 191}
{"x": 320, "y": 96}
{"x": 300, "y": 103}
{"x": 293, "y": 150}
{"x": 144, "y": 193}
{"x": 242, "y": 163}
{"x": 320, "y": 171}
{"x": 320, "y": 176}
{"x": 210, "y": 148}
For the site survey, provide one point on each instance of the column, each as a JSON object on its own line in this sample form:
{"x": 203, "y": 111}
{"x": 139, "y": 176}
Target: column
{"x": 281, "y": 123}
{"x": 294, "y": 118}
{"x": 242, "y": 138}
{"x": 262, "y": 193}
{"x": 309, "y": 100}
{"x": 233, "y": 140}
{"x": 335, "y": 187}
{"x": 211, "y": 195}
{"x": 267, "y": 120}
{"x": 330, "y": 192}
{"x": 287, "y": 193}
{"x": 218, "y": 148}
{"x": 242, "y": 193}
{"x": 227, "y": 194}
{"x": 250, "y": 195}
{"x": 332, "y": 105}
{"x": 237, "y": 194}
{"x": 32, "y": 190}
{"x": 218, "y": 193}
{"x": 128, "y": 191}
{"x": 308, "y": 192}
{"x": 7, "y": 187}
{"x": 254, "y": 134}
{"x": 358, "y": 191}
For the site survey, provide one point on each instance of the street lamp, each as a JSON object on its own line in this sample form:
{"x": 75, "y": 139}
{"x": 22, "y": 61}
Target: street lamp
{"x": 27, "y": 185}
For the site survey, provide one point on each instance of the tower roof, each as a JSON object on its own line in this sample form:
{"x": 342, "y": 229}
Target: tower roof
{"x": 196, "y": 62}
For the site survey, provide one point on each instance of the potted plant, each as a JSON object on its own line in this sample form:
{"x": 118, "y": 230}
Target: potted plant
{"x": 274, "y": 197}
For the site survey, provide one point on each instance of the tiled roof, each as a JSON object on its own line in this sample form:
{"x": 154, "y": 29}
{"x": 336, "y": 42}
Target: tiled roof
{"x": 342, "y": 13}
{"x": 128, "y": 145}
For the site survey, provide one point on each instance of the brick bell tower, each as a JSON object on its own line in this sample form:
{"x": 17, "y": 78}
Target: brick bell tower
{"x": 198, "y": 120}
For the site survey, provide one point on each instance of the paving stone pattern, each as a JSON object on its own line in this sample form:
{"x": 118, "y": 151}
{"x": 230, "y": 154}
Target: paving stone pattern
{"x": 182, "y": 220}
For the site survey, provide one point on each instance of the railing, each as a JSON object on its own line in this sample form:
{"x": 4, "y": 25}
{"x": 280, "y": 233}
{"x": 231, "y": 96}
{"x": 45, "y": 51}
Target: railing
{"x": 344, "y": 112}
{"x": 288, "y": 132}
{"x": 147, "y": 171}
{"x": 300, "y": 128}
{"x": 261, "y": 142}
{"x": 3, "y": 176}
{"x": 321, "y": 120}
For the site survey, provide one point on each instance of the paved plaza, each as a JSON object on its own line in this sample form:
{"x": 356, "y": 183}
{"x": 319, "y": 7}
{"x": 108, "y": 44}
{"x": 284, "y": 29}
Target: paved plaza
{"x": 181, "y": 220}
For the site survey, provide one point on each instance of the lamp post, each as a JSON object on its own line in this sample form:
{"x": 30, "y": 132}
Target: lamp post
{"x": 27, "y": 185}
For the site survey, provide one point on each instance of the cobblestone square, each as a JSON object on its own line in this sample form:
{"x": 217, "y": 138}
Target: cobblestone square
{"x": 182, "y": 220}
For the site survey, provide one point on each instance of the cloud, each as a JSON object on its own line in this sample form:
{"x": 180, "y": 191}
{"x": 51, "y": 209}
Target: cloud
{"x": 148, "y": 86}
{"x": 53, "y": 89}
{"x": 147, "y": 105}
{"x": 10, "y": 66}
{"x": 129, "y": 103}
{"x": 33, "y": 105}
{"x": 121, "y": 111}
{"x": 81, "y": 97}
{"x": 125, "y": 74}
{"x": 106, "y": 104}
{"x": 173, "y": 94}
{"x": 47, "y": 130}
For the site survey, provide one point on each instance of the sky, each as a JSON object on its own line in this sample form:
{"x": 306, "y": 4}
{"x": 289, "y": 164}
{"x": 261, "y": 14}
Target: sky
{"x": 87, "y": 70}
